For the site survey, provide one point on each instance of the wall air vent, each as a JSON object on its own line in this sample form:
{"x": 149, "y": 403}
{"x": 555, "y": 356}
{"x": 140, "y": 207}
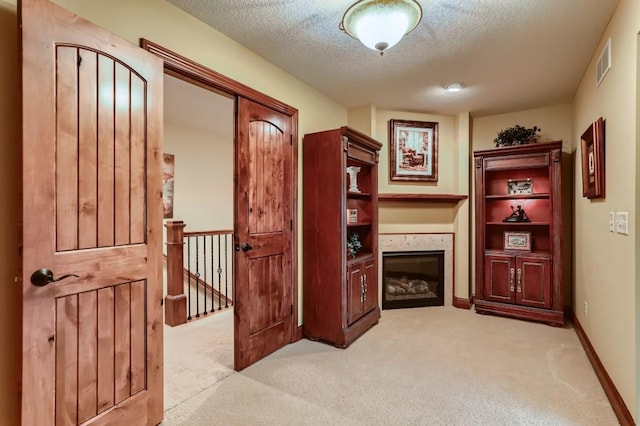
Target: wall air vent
{"x": 604, "y": 63}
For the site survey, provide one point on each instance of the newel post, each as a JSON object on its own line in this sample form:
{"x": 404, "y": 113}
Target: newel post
{"x": 175, "y": 307}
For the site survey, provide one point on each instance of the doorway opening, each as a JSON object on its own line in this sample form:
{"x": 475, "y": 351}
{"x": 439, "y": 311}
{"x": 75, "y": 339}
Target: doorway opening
{"x": 199, "y": 146}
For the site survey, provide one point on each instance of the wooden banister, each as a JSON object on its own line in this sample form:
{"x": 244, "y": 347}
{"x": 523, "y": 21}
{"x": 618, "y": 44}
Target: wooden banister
{"x": 175, "y": 301}
{"x": 207, "y": 233}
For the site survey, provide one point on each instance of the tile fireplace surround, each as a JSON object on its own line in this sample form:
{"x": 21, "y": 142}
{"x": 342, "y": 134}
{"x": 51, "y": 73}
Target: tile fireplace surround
{"x": 420, "y": 242}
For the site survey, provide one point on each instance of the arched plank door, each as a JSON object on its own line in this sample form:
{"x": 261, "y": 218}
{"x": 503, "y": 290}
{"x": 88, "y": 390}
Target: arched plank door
{"x": 92, "y": 131}
{"x": 264, "y": 195}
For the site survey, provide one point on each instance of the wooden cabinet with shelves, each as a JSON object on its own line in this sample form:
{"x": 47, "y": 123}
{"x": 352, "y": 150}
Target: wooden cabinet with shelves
{"x": 340, "y": 289}
{"x": 524, "y": 280}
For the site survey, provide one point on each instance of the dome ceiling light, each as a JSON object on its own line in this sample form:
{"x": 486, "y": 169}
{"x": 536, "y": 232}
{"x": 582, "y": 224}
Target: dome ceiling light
{"x": 454, "y": 87}
{"x": 381, "y": 24}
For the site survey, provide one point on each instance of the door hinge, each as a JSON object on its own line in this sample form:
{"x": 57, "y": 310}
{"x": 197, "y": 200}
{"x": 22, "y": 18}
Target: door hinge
{"x": 79, "y": 60}
{"x": 291, "y": 309}
{"x": 291, "y": 224}
{"x": 161, "y": 302}
{"x": 291, "y": 140}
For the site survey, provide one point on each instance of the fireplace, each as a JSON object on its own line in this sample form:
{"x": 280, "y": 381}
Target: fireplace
{"x": 412, "y": 279}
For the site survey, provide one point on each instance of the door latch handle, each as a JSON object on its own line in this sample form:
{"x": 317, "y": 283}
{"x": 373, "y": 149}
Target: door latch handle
{"x": 246, "y": 247}
{"x": 44, "y": 276}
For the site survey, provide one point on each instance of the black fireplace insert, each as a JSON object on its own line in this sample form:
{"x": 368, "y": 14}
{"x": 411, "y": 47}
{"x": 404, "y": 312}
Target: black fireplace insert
{"x": 412, "y": 279}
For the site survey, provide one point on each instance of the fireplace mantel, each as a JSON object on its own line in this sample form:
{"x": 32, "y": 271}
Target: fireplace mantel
{"x": 432, "y": 198}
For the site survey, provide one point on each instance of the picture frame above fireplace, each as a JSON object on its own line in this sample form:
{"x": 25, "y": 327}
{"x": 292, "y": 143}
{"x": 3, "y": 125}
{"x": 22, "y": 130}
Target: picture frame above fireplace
{"x": 413, "y": 151}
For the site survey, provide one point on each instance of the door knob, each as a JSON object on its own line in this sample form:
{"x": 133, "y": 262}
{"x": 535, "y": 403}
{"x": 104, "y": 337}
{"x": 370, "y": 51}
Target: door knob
{"x": 246, "y": 247}
{"x": 44, "y": 276}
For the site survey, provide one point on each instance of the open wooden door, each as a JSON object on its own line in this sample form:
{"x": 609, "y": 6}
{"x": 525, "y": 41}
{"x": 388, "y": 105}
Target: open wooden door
{"x": 263, "y": 307}
{"x": 92, "y": 224}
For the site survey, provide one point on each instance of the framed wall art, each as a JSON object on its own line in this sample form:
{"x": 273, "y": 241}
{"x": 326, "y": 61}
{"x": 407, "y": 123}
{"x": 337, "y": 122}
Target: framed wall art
{"x": 168, "y": 171}
{"x": 517, "y": 241}
{"x": 413, "y": 149}
{"x": 592, "y": 151}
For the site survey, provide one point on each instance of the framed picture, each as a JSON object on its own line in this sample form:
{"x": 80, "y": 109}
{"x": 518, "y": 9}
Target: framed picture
{"x": 592, "y": 147}
{"x": 517, "y": 241}
{"x": 352, "y": 215}
{"x": 168, "y": 170}
{"x": 413, "y": 150}
{"x": 519, "y": 186}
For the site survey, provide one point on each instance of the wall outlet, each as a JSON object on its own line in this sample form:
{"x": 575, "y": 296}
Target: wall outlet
{"x": 586, "y": 312}
{"x": 622, "y": 223}
{"x": 612, "y": 222}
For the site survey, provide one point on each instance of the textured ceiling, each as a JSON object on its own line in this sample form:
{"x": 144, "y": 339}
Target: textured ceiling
{"x": 509, "y": 54}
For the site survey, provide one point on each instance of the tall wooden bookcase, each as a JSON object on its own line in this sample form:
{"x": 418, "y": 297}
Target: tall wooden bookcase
{"x": 340, "y": 290}
{"x": 519, "y": 247}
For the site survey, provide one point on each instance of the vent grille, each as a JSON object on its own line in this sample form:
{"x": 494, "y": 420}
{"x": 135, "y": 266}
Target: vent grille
{"x": 604, "y": 63}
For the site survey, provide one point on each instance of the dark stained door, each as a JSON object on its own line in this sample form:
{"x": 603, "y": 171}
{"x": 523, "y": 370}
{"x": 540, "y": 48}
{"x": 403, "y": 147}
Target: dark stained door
{"x": 92, "y": 203}
{"x": 534, "y": 281}
{"x": 264, "y": 192}
{"x": 500, "y": 277}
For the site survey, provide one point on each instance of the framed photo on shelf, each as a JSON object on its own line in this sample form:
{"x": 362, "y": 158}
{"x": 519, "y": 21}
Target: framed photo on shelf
{"x": 592, "y": 147}
{"x": 413, "y": 147}
{"x": 517, "y": 241}
{"x": 352, "y": 215}
{"x": 519, "y": 186}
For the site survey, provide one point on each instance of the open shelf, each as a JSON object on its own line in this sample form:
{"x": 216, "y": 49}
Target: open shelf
{"x": 518, "y": 223}
{"x": 351, "y": 194}
{"x": 518, "y": 196}
{"x": 432, "y": 198}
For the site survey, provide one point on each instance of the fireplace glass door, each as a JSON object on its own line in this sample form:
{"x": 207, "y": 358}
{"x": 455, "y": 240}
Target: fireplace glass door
{"x": 412, "y": 279}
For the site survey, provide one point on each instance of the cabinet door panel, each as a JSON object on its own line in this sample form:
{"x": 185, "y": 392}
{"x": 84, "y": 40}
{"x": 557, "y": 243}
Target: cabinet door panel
{"x": 534, "y": 282}
{"x": 371, "y": 286}
{"x": 499, "y": 278}
{"x": 354, "y": 292}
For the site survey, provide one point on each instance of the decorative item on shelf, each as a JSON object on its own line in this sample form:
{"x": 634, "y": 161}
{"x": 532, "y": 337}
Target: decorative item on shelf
{"x": 518, "y": 215}
{"x": 381, "y": 24}
{"x": 592, "y": 147}
{"x": 352, "y": 215}
{"x": 352, "y": 171}
{"x": 353, "y": 244}
{"x": 517, "y": 241}
{"x": 414, "y": 150}
{"x": 519, "y": 186}
{"x": 517, "y": 135}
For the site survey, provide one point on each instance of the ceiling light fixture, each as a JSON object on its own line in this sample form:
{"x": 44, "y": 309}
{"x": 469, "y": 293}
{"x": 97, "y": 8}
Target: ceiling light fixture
{"x": 381, "y": 24}
{"x": 454, "y": 87}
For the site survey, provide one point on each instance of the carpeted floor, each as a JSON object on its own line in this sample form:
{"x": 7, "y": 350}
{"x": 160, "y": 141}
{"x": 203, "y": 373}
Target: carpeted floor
{"x": 422, "y": 366}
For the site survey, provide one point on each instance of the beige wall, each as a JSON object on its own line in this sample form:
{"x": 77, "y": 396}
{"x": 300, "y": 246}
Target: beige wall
{"x": 605, "y": 262}
{"x": 453, "y": 152}
{"x": 555, "y": 122}
{"x": 203, "y": 183}
{"x": 9, "y": 163}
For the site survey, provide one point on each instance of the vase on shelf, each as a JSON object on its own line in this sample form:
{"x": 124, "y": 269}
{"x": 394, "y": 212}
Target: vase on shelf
{"x": 352, "y": 171}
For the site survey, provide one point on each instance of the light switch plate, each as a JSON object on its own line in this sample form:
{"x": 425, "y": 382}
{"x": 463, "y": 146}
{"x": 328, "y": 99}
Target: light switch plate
{"x": 622, "y": 223}
{"x": 612, "y": 222}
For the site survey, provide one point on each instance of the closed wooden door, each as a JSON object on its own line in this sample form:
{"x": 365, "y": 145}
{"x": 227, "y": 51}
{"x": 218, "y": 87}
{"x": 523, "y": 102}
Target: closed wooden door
{"x": 499, "y": 278}
{"x": 263, "y": 307}
{"x": 533, "y": 281}
{"x": 355, "y": 294}
{"x": 370, "y": 291}
{"x": 92, "y": 203}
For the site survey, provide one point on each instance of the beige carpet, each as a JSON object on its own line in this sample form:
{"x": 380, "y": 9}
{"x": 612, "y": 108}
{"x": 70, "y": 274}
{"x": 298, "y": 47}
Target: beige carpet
{"x": 423, "y": 366}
